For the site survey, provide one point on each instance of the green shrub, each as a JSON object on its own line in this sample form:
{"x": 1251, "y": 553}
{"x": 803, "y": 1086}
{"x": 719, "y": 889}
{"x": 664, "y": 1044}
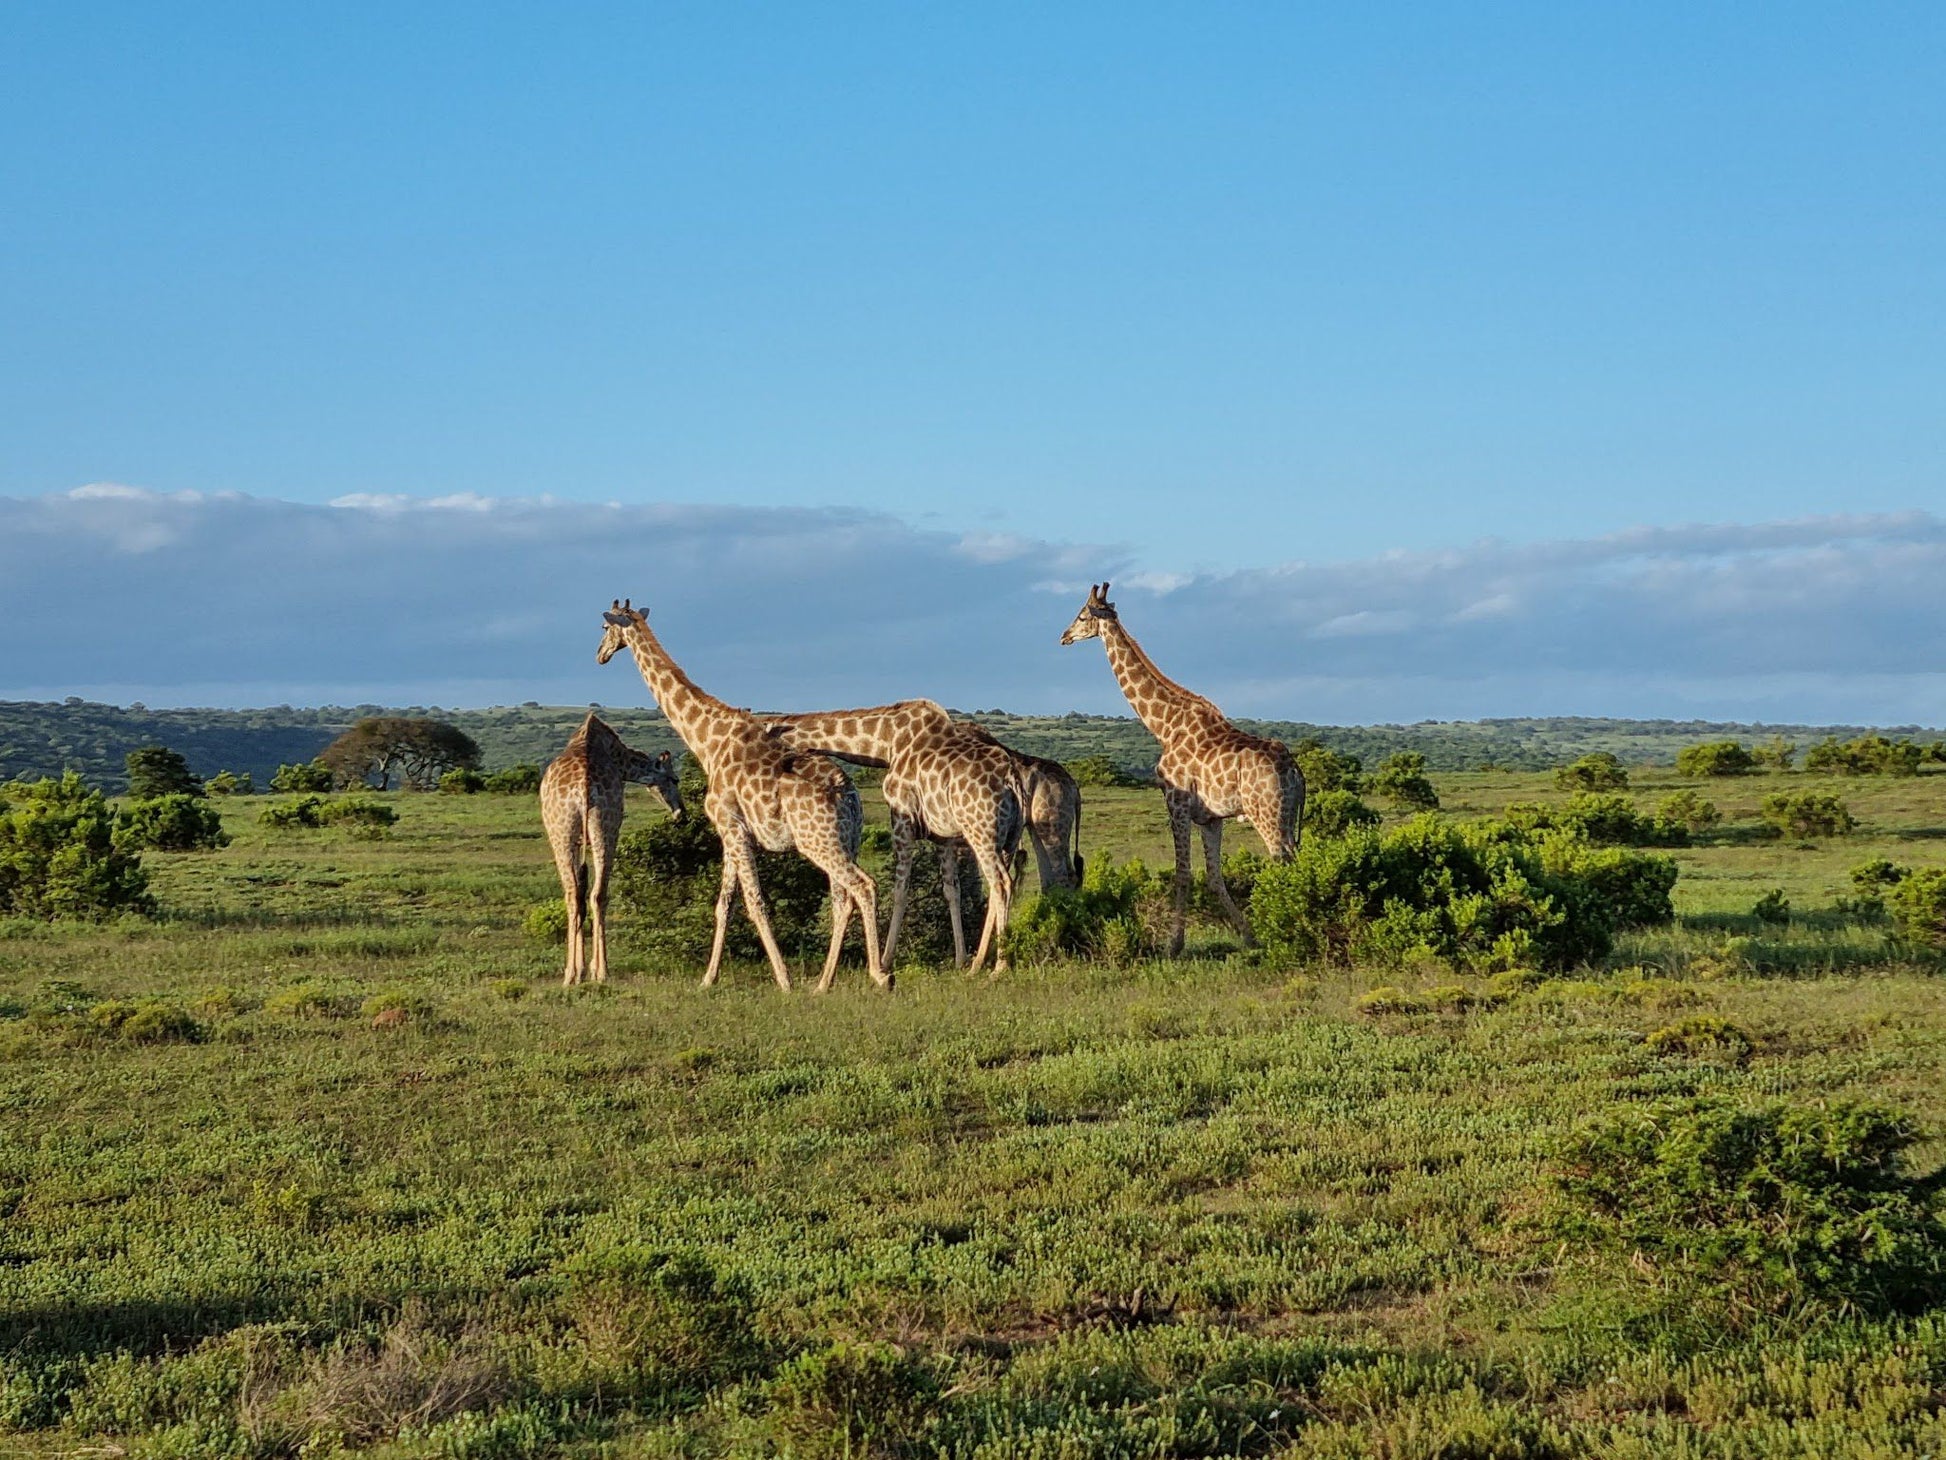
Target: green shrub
{"x": 661, "y": 1328}
{"x": 361, "y": 814}
{"x": 1774, "y": 754}
{"x": 926, "y": 936}
{"x": 148, "y": 1021}
{"x": 309, "y": 776}
{"x": 1715, "y": 758}
{"x": 1401, "y": 779}
{"x": 1704, "y": 1035}
{"x": 1784, "y": 1199}
{"x": 1772, "y": 907}
{"x": 231, "y": 783}
{"x": 309, "y": 1000}
{"x": 462, "y": 781}
{"x": 1334, "y": 813}
{"x": 516, "y": 780}
{"x": 60, "y": 857}
{"x": 156, "y": 770}
{"x": 1486, "y": 894}
{"x": 1102, "y": 770}
{"x": 854, "y": 1399}
{"x": 1607, "y": 820}
{"x": 1601, "y": 771}
{"x": 1867, "y": 755}
{"x": 1807, "y": 814}
{"x": 1326, "y": 770}
{"x": 1686, "y": 813}
{"x": 510, "y": 989}
{"x": 175, "y": 823}
{"x": 1075, "y": 922}
{"x": 1918, "y": 906}
{"x": 547, "y": 922}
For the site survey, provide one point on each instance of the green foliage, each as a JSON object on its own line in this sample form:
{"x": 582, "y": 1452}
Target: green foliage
{"x": 1866, "y": 755}
{"x": 462, "y": 782}
{"x": 1334, "y": 813}
{"x": 926, "y": 937}
{"x": 1607, "y": 820}
{"x": 1773, "y": 907}
{"x": 156, "y": 770}
{"x": 1775, "y": 754}
{"x": 854, "y": 1399}
{"x": 1918, "y": 906}
{"x": 1807, "y": 814}
{"x": 1326, "y": 770}
{"x": 402, "y": 1004}
{"x": 1481, "y": 895}
{"x": 309, "y": 775}
{"x": 1600, "y": 771}
{"x": 1702, "y": 1035}
{"x": 547, "y": 922}
{"x": 1401, "y": 779}
{"x": 1116, "y": 909}
{"x": 1716, "y": 758}
{"x": 361, "y": 815}
{"x": 60, "y": 857}
{"x": 230, "y": 783}
{"x": 516, "y": 780}
{"x": 147, "y": 1021}
{"x": 176, "y": 823}
{"x": 1103, "y": 770}
{"x": 1686, "y": 812}
{"x": 1787, "y": 1199}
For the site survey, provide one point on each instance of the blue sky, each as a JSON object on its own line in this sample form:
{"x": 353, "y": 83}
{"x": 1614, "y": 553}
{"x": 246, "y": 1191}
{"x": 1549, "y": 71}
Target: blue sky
{"x": 1219, "y": 289}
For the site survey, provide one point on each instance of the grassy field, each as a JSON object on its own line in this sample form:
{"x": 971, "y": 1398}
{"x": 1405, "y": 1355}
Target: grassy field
{"x": 1201, "y": 1207}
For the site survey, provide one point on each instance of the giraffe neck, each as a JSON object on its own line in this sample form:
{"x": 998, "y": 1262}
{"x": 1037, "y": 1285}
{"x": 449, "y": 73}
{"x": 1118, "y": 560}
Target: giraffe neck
{"x": 687, "y": 708}
{"x": 1158, "y": 701}
{"x": 876, "y": 735}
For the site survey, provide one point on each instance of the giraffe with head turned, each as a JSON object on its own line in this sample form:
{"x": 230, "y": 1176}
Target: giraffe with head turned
{"x": 761, "y": 794}
{"x": 1209, "y": 770}
{"x": 581, "y": 807}
{"x": 945, "y": 780}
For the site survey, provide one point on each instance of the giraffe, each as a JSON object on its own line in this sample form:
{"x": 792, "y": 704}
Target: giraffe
{"x": 1053, "y": 822}
{"x": 1209, "y": 770}
{"x": 761, "y": 794}
{"x": 581, "y": 807}
{"x": 949, "y": 782}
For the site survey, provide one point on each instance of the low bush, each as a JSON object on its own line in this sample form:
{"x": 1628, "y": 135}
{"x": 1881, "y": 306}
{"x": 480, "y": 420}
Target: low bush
{"x": 1772, "y": 907}
{"x": 1687, "y": 812}
{"x": 230, "y": 783}
{"x": 854, "y": 1399}
{"x": 1918, "y": 906}
{"x": 1703, "y": 1035}
{"x": 307, "y": 776}
{"x": 462, "y": 781}
{"x": 1607, "y": 820}
{"x": 1807, "y": 814}
{"x": 1780, "y": 1200}
{"x": 147, "y": 1021}
{"x": 1333, "y": 813}
{"x": 1326, "y": 770}
{"x": 1601, "y": 771}
{"x": 1867, "y": 755}
{"x": 1102, "y": 770}
{"x": 1116, "y": 910}
{"x": 1715, "y": 758}
{"x": 547, "y": 922}
{"x": 516, "y": 780}
{"x": 1481, "y": 895}
{"x": 361, "y": 814}
{"x": 60, "y": 857}
{"x": 174, "y": 823}
{"x": 1401, "y": 779}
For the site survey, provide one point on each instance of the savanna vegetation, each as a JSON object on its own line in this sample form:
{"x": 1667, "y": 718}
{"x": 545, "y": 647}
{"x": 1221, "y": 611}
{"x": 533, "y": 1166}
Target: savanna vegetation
{"x": 1528, "y": 1133}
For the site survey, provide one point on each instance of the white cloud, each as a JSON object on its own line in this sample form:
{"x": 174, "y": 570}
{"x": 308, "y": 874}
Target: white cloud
{"x": 114, "y": 591}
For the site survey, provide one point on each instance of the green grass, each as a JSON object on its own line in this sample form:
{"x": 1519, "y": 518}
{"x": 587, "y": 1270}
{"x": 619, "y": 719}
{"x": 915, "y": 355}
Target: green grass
{"x": 1200, "y": 1207}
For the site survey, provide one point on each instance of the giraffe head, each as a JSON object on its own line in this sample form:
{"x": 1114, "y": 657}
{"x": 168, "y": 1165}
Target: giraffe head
{"x": 621, "y": 616}
{"x": 658, "y": 772}
{"x": 1094, "y": 613}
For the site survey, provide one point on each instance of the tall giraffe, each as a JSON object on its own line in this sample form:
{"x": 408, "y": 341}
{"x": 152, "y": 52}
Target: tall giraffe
{"x": 1209, "y": 770}
{"x": 760, "y": 794}
{"x": 581, "y": 807}
{"x": 949, "y": 782}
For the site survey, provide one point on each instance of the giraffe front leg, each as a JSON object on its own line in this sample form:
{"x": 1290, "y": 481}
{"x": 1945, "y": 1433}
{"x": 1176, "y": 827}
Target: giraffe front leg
{"x": 725, "y": 894}
{"x": 1213, "y": 862}
{"x": 840, "y": 920}
{"x": 1179, "y": 834}
{"x": 903, "y": 833}
{"x": 1000, "y": 884}
{"x": 753, "y": 903}
{"x": 601, "y": 854}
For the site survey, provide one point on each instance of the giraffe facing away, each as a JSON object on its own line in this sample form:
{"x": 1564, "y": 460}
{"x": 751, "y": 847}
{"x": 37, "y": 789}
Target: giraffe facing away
{"x": 581, "y": 807}
{"x": 1209, "y": 770}
{"x": 761, "y": 794}
{"x": 1053, "y": 822}
{"x": 947, "y": 781}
